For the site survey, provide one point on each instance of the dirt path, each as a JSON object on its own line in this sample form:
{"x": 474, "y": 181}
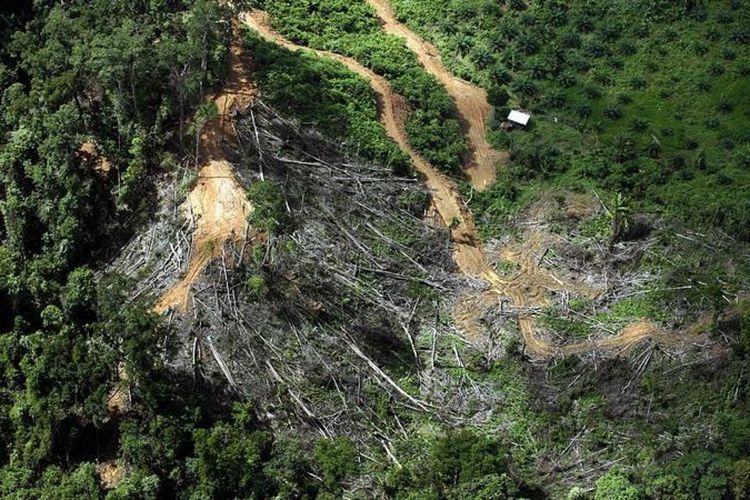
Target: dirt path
{"x": 528, "y": 288}
{"x": 471, "y": 101}
{"x": 394, "y": 113}
{"x": 217, "y": 204}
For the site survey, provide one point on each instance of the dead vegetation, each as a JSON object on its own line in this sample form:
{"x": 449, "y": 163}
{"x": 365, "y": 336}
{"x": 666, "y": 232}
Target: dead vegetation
{"x": 355, "y": 296}
{"x": 530, "y": 287}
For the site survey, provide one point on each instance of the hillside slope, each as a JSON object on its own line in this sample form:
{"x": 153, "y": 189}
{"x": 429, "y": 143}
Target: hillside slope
{"x": 291, "y": 253}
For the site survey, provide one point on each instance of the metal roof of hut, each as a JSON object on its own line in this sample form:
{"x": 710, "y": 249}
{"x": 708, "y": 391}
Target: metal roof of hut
{"x": 519, "y": 117}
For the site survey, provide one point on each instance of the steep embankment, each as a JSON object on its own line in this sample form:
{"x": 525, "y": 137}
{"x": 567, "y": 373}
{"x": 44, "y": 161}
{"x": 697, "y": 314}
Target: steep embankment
{"x": 217, "y": 205}
{"x": 471, "y": 101}
{"x": 529, "y": 286}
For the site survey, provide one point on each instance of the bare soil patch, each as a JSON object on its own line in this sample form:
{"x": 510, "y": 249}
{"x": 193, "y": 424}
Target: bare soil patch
{"x": 110, "y": 474}
{"x": 91, "y": 157}
{"x": 217, "y": 205}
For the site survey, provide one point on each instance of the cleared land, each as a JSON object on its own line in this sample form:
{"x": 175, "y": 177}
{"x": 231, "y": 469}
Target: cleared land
{"x": 217, "y": 204}
{"x": 527, "y": 288}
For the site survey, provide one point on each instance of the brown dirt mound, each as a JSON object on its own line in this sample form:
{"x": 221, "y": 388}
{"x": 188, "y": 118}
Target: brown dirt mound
{"x": 91, "y": 157}
{"x": 219, "y": 206}
{"x": 110, "y": 474}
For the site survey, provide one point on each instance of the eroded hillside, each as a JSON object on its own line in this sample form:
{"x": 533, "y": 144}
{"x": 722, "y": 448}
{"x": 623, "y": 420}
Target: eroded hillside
{"x": 330, "y": 272}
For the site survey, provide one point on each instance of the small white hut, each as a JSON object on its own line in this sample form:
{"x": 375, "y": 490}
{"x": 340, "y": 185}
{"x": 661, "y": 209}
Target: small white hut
{"x": 519, "y": 118}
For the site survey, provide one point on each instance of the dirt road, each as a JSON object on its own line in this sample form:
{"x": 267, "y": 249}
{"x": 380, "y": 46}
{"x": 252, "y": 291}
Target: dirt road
{"x": 471, "y": 101}
{"x": 217, "y": 205}
{"x": 529, "y": 286}
{"x": 394, "y": 114}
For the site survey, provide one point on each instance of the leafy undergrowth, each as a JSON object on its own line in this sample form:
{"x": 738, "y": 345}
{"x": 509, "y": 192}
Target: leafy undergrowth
{"x": 324, "y": 94}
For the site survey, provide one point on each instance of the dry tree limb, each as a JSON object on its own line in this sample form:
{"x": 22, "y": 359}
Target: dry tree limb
{"x": 434, "y": 348}
{"x": 390, "y": 454}
{"x": 420, "y": 404}
{"x": 196, "y": 353}
{"x": 257, "y": 143}
{"x": 221, "y": 363}
{"x": 407, "y": 331}
{"x": 298, "y": 401}
{"x": 404, "y": 277}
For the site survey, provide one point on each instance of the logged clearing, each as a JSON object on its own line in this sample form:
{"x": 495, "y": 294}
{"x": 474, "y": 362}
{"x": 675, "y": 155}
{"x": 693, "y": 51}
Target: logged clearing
{"x": 530, "y": 286}
{"x": 471, "y": 101}
{"x": 217, "y": 205}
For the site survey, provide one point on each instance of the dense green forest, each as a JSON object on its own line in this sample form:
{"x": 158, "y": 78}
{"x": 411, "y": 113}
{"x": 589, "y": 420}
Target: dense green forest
{"x": 643, "y": 103}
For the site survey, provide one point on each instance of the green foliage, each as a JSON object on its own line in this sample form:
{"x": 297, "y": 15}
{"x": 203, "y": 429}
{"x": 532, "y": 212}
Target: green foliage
{"x": 414, "y": 202}
{"x": 741, "y": 479}
{"x": 74, "y": 77}
{"x": 205, "y": 113}
{"x": 229, "y": 459}
{"x": 81, "y": 482}
{"x": 498, "y": 96}
{"x": 79, "y": 296}
{"x": 136, "y": 485}
{"x": 269, "y": 210}
{"x": 463, "y": 456}
{"x": 66, "y": 77}
{"x": 460, "y": 464}
{"x": 615, "y": 486}
{"x": 494, "y": 206}
{"x": 257, "y": 287}
{"x": 324, "y": 94}
{"x": 289, "y": 469}
{"x": 338, "y": 460}
{"x": 351, "y": 28}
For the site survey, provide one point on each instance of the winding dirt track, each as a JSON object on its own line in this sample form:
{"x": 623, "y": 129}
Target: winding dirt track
{"x": 527, "y": 288}
{"x": 217, "y": 204}
{"x": 471, "y": 101}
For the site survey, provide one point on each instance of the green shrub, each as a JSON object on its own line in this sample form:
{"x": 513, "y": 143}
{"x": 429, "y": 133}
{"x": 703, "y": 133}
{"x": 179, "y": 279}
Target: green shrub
{"x": 257, "y": 287}
{"x": 269, "y": 210}
{"x": 616, "y": 486}
{"x": 337, "y": 459}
